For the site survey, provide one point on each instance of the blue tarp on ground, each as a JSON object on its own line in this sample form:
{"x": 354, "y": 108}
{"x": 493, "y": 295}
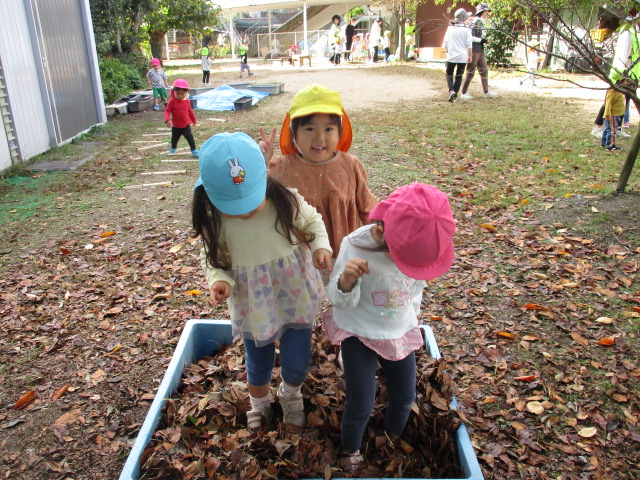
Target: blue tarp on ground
{"x": 222, "y": 98}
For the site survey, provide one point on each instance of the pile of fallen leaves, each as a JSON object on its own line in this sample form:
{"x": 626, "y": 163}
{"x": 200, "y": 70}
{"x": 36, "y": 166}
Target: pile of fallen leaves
{"x": 203, "y": 430}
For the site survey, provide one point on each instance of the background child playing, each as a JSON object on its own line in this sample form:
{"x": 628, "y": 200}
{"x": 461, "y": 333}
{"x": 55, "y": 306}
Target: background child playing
{"x": 244, "y": 64}
{"x": 180, "y": 116}
{"x": 158, "y": 80}
{"x": 206, "y": 69}
{"x": 386, "y": 45}
{"x": 261, "y": 244}
{"x": 614, "y": 106}
{"x": 376, "y": 290}
{"x": 314, "y": 140}
{"x": 337, "y": 52}
{"x": 533, "y": 58}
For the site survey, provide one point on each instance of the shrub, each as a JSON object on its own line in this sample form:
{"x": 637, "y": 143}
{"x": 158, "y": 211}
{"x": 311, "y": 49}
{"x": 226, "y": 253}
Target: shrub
{"x": 118, "y": 79}
{"x": 502, "y": 40}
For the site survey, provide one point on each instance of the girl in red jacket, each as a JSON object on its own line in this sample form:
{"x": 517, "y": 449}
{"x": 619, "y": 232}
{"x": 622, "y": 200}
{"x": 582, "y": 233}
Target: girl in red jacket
{"x": 180, "y": 116}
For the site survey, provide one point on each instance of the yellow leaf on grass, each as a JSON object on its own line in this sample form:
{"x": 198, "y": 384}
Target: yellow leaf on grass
{"x": 579, "y": 339}
{"x": 488, "y": 226}
{"x": 107, "y": 234}
{"x": 588, "y": 432}
{"x": 604, "y": 320}
{"x": 607, "y": 341}
{"x": 535, "y": 407}
{"x": 504, "y": 334}
{"x": 175, "y": 248}
{"x": 193, "y": 292}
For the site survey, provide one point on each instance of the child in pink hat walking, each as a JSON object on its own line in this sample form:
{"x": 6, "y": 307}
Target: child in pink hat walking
{"x": 179, "y": 116}
{"x": 376, "y": 290}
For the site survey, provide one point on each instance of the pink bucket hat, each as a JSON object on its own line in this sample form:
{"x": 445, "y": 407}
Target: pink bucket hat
{"x": 180, "y": 83}
{"x": 155, "y": 61}
{"x": 418, "y": 228}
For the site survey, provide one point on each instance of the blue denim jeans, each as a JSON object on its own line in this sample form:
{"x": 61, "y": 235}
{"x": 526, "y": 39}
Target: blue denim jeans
{"x": 295, "y": 357}
{"x": 360, "y": 365}
{"x": 606, "y": 132}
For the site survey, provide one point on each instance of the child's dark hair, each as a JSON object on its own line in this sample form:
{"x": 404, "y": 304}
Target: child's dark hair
{"x": 298, "y": 122}
{"x": 207, "y": 220}
{"x": 363, "y": 242}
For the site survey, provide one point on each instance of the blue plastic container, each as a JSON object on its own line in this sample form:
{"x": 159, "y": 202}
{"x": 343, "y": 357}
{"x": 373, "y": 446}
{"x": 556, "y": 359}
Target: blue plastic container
{"x": 201, "y": 338}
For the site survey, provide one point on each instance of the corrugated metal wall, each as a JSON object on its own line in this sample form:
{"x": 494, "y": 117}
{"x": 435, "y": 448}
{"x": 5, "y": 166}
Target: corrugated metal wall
{"x": 21, "y": 78}
{"x": 65, "y": 47}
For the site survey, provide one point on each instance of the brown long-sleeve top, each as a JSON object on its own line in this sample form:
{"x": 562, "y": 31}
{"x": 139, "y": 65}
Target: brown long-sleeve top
{"x": 337, "y": 188}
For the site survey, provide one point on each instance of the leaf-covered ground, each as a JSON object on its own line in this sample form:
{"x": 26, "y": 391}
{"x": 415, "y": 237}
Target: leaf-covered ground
{"x": 539, "y": 317}
{"x": 203, "y": 428}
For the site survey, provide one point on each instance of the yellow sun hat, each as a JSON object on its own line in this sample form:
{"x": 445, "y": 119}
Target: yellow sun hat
{"x": 311, "y": 100}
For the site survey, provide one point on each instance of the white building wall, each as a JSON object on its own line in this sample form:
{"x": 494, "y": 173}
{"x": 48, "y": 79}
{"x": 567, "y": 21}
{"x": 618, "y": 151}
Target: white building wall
{"x": 22, "y": 82}
{"x": 5, "y": 155}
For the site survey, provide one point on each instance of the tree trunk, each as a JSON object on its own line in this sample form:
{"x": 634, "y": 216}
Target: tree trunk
{"x": 623, "y": 179}
{"x": 118, "y": 41}
{"x": 549, "y": 46}
{"x": 156, "y": 38}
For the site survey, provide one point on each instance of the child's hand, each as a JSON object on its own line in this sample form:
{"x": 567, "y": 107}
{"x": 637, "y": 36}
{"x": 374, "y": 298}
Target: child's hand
{"x": 353, "y": 270}
{"x": 266, "y": 144}
{"x": 169, "y": 123}
{"x": 322, "y": 260}
{"x": 220, "y": 291}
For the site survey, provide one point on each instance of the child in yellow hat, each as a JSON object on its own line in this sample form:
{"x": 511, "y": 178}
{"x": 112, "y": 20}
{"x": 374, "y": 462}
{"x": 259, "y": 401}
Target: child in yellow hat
{"x": 314, "y": 140}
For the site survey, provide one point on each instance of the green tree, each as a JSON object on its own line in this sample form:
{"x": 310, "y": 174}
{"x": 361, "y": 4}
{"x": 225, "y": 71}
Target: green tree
{"x": 116, "y": 24}
{"x": 501, "y": 38}
{"x": 569, "y": 22}
{"x": 190, "y": 16}
{"x": 401, "y": 10}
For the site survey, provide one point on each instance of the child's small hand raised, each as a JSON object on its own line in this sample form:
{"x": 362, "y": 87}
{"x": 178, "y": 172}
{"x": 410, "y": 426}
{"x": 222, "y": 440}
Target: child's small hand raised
{"x": 220, "y": 291}
{"x": 322, "y": 260}
{"x": 266, "y": 144}
{"x": 353, "y": 270}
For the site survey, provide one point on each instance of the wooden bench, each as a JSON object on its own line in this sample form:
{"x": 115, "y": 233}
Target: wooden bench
{"x": 292, "y": 60}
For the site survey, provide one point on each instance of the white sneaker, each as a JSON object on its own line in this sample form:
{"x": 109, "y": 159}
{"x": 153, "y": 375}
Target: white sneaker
{"x": 257, "y": 418}
{"x": 621, "y": 133}
{"x": 466, "y": 96}
{"x": 490, "y": 94}
{"x": 597, "y": 132}
{"x": 292, "y": 409}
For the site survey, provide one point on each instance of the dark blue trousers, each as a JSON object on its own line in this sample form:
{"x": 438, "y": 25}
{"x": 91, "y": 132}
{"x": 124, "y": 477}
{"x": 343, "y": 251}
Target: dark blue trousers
{"x": 360, "y": 365}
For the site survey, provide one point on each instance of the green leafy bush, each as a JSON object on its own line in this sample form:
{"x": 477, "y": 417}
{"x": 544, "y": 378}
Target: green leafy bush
{"x": 501, "y": 38}
{"x": 118, "y": 79}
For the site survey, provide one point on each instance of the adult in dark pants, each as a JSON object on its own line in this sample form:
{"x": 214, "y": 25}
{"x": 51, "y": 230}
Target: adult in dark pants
{"x": 375, "y": 39}
{"x": 478, "y": 59}
{"x": 349, "y": 32}
{"x": 457, "y": 43}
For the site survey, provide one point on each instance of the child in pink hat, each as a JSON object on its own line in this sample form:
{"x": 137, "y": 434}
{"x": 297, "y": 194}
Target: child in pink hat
{"x": 179, "y": 116}
{"x": 376, "y": 290}
{"x": 158, "y": 80}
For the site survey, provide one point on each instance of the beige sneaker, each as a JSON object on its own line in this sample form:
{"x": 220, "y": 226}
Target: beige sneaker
{"x": 293, "y": 409}
{"x": 255, "y": 418}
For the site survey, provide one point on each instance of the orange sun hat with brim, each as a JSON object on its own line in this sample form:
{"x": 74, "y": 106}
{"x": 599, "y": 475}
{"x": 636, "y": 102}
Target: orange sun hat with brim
{"x": 311, "y": 100}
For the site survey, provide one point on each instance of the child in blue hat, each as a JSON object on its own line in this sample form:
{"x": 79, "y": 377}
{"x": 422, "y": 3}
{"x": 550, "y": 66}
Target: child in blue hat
{"x": 262, "y": 247}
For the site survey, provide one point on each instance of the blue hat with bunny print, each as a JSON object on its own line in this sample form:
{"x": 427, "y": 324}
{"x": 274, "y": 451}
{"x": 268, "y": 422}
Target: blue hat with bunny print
{"x": 233, "y": 173}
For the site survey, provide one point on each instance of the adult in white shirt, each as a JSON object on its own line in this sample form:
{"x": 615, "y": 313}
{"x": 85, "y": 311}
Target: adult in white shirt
{"x": 457, "y": 43}
{"x": 375, "y": 38}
